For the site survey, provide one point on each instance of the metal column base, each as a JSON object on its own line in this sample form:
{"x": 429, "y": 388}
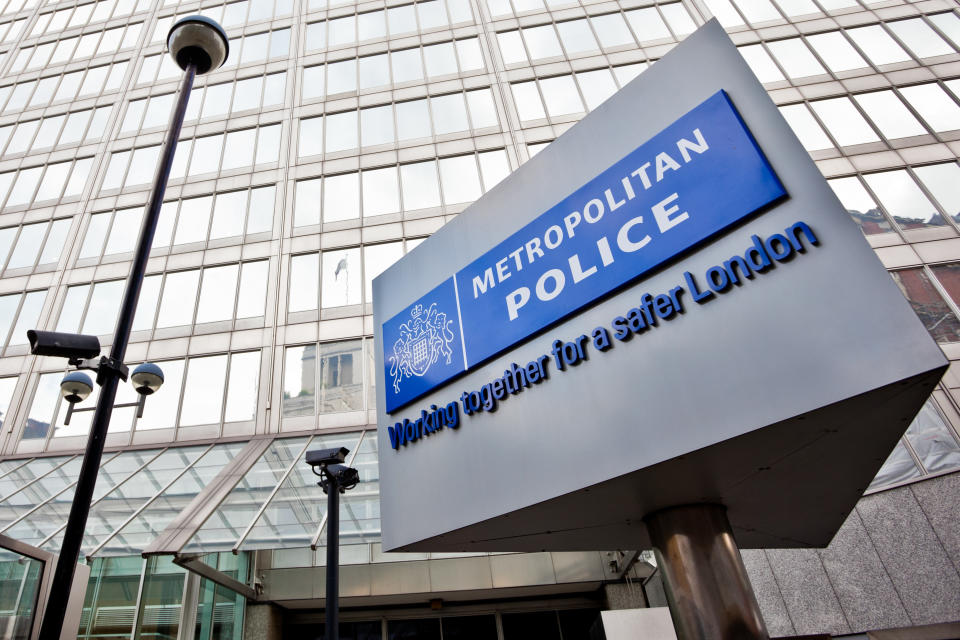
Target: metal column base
{"x": 707, "y": 588}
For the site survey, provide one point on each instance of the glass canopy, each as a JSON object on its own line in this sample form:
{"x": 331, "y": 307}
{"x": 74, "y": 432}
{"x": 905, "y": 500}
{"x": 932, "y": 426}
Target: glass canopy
{"x": 237, "y": 496}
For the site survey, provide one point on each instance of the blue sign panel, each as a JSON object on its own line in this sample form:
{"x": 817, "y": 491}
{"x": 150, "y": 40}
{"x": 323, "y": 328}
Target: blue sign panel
{"x": 689, "y": 182}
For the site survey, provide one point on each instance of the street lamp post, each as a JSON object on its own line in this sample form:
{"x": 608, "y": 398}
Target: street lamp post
{"x": 335, "y": 479}
{"x": 198, "y": 45}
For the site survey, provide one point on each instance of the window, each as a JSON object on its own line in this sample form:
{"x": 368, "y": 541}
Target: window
{"x": 59, "y": 180}
{"x": 836, "y": 51}
{"x": 761, "y": 63}
{"x": 928, "y": 304}
{"x": 32, "y": 245}
{"x": 860, "y": 205}
{"x": 878, "y": 45}
{"x": 809, "y": 132}
{"x": 386, "y": 124}
{"x": 889, "y": 114}
{"x": 405, "y": 65}
{"x": 92, "y": 308}
{"x": 219, "y": 388}
{"x": 900, "y": 196}
{"x": 324, "y": 378}
{"x": 795, "y": 58}
{"x": 209, "y": 154}
{"x": 844, "y": 122}
{"x": 920, "y": 38}
{"x": 929, "y": 446}
{"x": 934, "y": 105}
{"x": 19, "y": 312}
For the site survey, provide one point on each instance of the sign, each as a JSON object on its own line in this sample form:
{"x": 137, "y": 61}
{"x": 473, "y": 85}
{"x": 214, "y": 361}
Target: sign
{"x": 648, "y": 208}
{"x": 752, "y": 353}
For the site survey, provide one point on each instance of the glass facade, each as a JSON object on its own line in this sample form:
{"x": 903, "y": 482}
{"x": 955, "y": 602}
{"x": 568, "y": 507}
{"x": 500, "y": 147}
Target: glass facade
{"x": 338, "y": 136}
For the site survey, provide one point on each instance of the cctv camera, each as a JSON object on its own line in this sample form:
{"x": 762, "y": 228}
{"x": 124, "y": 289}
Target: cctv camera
{"x": 324, "y": 457}
{"x": 339, "y": 476}
{"x": 73, "y": 346}
{"x": 346, "y": 477}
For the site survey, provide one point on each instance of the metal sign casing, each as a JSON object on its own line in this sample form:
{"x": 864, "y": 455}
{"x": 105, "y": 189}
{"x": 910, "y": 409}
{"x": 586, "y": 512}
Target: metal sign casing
{"x": 778, "y": 396}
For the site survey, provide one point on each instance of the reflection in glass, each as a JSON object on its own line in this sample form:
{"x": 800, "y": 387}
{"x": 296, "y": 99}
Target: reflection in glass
{"x": 341, "y": 278}
{"x": 928, "y": 304}
{"x": 932, "y": 440}
{"x": 898, "y": 468}
{"x": 160, "y": 601}
{"x": 300, "y": 381}
{"x": 860, "y": 205}
{"x": 341, "y": 376}
{"x": 942, "y": 181}
{"x": 115, "y": 582}
{"x": 903, "y": 199}
{"x": 44, "y": 403}
{"x": 920, "y": 38}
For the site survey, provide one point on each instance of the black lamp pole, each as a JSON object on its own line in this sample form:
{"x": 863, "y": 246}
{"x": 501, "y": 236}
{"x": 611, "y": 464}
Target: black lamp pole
{"x": 332, "y": 489}
{"x": 194, "y": 57}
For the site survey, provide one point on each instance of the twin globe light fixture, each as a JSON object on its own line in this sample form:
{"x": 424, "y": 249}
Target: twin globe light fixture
{"x": 81, "y": 351}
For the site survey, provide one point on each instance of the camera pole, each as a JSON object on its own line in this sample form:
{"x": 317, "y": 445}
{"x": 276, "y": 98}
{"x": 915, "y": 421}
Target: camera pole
{"x": 332, "y": 488}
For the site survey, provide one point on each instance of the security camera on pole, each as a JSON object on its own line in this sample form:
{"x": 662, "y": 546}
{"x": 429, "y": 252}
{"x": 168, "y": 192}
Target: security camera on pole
{"x": 335, "y": 478}
{"x": 198, "y": 45}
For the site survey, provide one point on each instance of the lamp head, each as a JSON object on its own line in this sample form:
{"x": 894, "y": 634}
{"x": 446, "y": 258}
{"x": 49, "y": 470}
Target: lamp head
{"x": 198, "y": 40}
{"x": 75, "y": 387}
{"x": 147, "y": 378}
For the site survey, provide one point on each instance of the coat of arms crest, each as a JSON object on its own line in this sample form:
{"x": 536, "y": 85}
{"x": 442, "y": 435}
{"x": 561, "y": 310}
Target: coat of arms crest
{"x": 423, "y": 339}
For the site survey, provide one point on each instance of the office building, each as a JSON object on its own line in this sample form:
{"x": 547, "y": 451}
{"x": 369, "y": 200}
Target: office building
{"x": 336, "y": 138}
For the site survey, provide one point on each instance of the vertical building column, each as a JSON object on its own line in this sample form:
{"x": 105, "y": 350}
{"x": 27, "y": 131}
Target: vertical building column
{"x": 707, "y": 587}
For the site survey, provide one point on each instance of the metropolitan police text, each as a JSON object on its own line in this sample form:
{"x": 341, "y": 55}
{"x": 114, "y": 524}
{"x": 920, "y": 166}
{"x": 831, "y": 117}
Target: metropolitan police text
{"x": 633, "y": 235}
